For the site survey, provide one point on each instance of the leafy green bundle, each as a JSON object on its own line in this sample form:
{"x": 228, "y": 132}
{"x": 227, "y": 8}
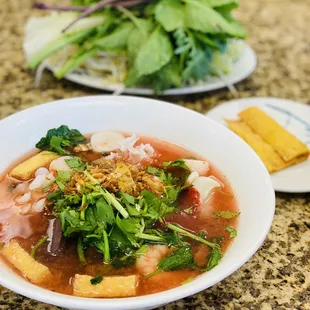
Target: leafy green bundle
{"x": 168, "y": 43}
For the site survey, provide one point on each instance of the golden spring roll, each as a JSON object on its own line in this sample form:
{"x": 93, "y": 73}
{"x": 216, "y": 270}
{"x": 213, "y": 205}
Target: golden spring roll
{"x": 283, "y": 142}
{"x": 268, "y": 155}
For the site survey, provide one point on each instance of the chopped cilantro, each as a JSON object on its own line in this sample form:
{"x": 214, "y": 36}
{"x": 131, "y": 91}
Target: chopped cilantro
{"x": 232, "y": 231}
{"x": 76, "y": 163}
{"x": 188, "y": 210}
{"x": 96, "y": 280}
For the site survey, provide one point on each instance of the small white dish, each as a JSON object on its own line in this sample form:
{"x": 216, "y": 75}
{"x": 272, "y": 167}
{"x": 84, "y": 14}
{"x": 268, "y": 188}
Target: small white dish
{"x": 242, "y": 69}
{"x": 248, "y": 177}
{"x": 293, "y": 116}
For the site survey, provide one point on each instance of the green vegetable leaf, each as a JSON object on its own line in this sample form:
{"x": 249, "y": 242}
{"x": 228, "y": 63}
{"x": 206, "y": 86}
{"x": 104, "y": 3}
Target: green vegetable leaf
{"x": 173, "y": 239}
{"x": 166, "y": 77}
{"x": 225, "y": 214}
{"x": 104, "y": 212}
{"x": 177, "y": 260}
{"x": 130, "y": 227}
{"x": 75, "y": 61}
{"x": 176, "y": 163}
{"x": 129, "y": 259}
{"x": 232, "y": 231}
{"x": 170, "y": 14}
{"x": 119, "y": 243}
{"x": 75, "y": 163}
{"x": 200, "y": 16}
{"x": 96, "y": 280}
{"x": 58, "y": 139}
{"x": 198, "y": 64}
{"x": 117, "y": 40}
{"x": 214, "y": 258}
{"x": 53, "y": 47}
{"x": 156, "y": 52}
{"x": 138, "y": 37}
{"x": 63, "y": 177}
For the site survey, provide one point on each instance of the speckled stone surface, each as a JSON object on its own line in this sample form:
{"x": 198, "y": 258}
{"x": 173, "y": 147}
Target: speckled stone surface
{"x": 278, "y": 275}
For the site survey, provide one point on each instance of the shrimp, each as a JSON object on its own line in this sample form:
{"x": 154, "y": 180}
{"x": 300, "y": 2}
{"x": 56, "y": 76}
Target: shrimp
{"x": 59, "y": 164}
{"x": 147, "y": 263}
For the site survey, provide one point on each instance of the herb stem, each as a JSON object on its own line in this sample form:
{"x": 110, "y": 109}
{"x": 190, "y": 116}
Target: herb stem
{"x": 149, "y": 237}
{"x": 80, "y": 251}
{"x": 157, "y": 271}
{"x": 107, "y": 257}
{"x": 91, "y": 178}
{"x": 88, "y": 11}
{"x": 36, "y": 246}
{"x": 190, "y": 235}
{"x": 58, "y": 44}
{"x": 111, "y": 200}
{"x": 114, "y": 202}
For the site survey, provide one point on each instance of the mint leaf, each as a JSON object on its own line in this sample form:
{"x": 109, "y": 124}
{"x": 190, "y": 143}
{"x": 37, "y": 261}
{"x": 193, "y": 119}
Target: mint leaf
{"x": 214, "y": 258}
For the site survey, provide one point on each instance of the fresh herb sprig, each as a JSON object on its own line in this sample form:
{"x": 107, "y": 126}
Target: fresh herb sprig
{"x": 167, "y": 42}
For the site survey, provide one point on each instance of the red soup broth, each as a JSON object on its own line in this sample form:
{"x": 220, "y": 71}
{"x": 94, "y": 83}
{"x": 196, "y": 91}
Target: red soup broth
{"x": 65, "y": 264}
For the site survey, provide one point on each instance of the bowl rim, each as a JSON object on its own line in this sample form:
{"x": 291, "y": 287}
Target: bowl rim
{"x": 152, "y": 300}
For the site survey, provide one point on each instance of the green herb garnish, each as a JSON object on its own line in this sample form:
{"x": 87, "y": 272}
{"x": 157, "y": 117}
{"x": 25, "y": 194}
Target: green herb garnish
{"x": 96, "y": 280}
{"x": 59, "y": 139}
{"x": 38, "y": 245}
{"x": 177, "y": 260}
{"x": 232, "y": 231}
{"x": 75, "y": 163}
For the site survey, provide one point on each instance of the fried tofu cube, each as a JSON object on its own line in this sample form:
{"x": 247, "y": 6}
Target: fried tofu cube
{"x": 109, "y": 287}
{"x": 22, "y": 261}
{"x": 25, "y": 170}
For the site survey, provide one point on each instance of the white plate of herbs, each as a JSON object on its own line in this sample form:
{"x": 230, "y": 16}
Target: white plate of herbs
{"x": 141, "y": 47}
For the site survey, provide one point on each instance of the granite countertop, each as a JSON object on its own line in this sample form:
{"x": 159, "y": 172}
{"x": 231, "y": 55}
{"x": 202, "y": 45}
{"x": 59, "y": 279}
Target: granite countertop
{"x": 278, "y": 275}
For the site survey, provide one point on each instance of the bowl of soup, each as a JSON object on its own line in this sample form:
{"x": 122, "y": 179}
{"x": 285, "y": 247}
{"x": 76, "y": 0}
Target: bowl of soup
{"x": 125, "y": 203}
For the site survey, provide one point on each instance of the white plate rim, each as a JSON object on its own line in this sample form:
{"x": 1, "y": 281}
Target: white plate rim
{"x": 248, "y": 61}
